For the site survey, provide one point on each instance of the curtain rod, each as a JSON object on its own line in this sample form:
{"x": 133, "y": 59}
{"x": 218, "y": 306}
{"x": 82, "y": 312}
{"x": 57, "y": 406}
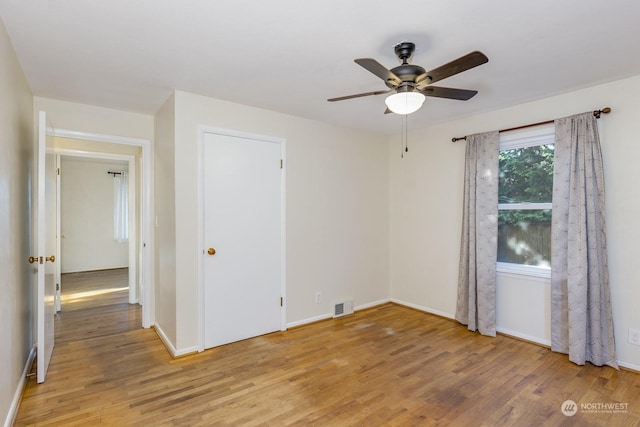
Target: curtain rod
{"x": 120, "y": 173}
{"x": 596, "y": 113}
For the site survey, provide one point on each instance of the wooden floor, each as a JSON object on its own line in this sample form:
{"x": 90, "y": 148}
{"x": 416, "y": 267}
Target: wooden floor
{"x": 389, "y": 365}
{"x": 96, "y": 304}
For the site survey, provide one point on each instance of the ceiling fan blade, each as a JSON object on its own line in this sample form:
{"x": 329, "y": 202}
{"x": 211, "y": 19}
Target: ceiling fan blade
{"x": 379, "y": 70}
{"x": 454, "y": 67}
{"x": 450, "y": 93}
{"x": 358, "y": 95}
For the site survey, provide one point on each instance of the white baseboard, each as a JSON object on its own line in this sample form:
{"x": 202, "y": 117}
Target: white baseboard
{"x": 17, "y": 397}
{"x": 423, "y": 308}
{"x": 174, "y": 352}
{"x": 330, "y": 315}
{"x": 530, "y": 338}
{"x": 308, "y": 320}
{"x": 184, "y": 351}
{"x": 371, "y": 304}
{"x": 165, "y": 340}
{"x": 91, "y": 270}
{"x": 631, "y": 366}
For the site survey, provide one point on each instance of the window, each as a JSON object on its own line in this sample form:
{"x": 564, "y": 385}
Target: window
{"x": 524, "y": 200}
{"x": 121, "y": 206}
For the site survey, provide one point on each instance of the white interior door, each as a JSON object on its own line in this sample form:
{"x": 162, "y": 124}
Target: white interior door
{"x": 58, "y": 251}
{"x": 46, "y": 248}
{"x": 243, "y": 225}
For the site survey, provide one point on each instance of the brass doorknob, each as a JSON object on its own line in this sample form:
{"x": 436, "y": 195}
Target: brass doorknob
{"x": 211, "y": 251}
{"x": 33, "y": 259}
{"x": 51, "y": 258}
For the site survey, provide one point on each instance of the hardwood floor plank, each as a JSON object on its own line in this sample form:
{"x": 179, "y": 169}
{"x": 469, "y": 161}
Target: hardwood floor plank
{"x": 389, "y": 365}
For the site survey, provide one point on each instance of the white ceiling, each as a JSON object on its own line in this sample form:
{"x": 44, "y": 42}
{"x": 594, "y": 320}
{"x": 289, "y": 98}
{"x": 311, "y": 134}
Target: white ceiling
{"x": 291, "y": 55}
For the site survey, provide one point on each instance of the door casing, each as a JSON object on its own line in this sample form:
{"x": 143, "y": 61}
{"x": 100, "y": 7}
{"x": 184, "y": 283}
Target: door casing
{"x": 202, "y": 130}
{"x": 145, "y": 297}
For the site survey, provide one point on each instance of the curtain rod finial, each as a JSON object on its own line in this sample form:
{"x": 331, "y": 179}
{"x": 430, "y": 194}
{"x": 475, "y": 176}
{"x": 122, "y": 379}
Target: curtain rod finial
{"x": 605, "y": 110}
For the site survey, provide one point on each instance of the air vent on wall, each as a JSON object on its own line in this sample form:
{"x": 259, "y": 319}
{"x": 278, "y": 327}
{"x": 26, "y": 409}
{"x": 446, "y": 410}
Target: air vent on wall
{"x": 342, "y": 308}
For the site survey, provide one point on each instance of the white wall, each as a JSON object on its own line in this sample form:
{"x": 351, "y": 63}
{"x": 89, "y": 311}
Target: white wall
{"x": 88, "y": 118}
{"x": 336, "y": 215}
{"x": 86, "y": 222}
{"x": 16, "y": 167}
{"x": 426, "y": 209}
{"x": 165, "y": 221}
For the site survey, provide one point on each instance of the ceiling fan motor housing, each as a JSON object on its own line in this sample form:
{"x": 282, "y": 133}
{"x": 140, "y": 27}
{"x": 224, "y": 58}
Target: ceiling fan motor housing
{"x": 406, "y": 72}
{"x": 404, "y": 50}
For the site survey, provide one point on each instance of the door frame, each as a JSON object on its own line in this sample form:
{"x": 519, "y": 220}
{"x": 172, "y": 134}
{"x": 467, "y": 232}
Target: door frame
{"x": 131, "y": 214}
{"x": 58, "y": 274}
{"x": 202, "y": 131}
{"x": 146, "y": 243}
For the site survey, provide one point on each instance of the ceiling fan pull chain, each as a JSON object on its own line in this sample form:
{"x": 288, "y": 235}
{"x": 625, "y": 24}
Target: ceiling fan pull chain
{"x": 404, "y": 138}
{"x": 406, "y": 135}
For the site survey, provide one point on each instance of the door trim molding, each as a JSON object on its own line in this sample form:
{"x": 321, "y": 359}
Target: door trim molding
{"x": 147, "y": 296}
{"x": 125, "y": 140}
{"x": 202, "y": 131}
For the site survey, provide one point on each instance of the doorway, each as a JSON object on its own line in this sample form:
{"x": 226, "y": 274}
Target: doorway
{"x": 88, "y": 214}
{"x": 136, "y": 154}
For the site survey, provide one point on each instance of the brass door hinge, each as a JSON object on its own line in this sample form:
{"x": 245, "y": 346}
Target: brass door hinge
{"x": 281, "y": 162}
{"x": 281, "y": 302}
{"x": 57, "y": 286}
{"x": 58, "y": 171}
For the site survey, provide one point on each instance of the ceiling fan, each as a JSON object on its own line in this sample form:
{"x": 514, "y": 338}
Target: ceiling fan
{"x": 411, "y": 83}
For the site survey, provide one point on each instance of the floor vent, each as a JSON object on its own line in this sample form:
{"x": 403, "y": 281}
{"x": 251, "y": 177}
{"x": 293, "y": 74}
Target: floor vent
{"x": 342, "y": 308}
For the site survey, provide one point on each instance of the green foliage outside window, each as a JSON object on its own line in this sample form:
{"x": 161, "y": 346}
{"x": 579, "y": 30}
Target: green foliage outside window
{"x": 526, "y": 176}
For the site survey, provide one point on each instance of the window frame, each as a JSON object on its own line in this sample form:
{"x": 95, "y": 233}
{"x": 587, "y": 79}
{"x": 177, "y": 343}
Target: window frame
{"x": 524, "y": 138}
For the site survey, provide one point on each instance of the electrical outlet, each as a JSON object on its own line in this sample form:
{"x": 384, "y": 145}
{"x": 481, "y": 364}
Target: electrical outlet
{"x": 634, "y": 336}
{"x": 318, "y": 297}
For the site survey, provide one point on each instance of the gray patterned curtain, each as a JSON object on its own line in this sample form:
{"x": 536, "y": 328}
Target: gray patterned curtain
{"x": 476, "y": 306}
{"x": 581, "y": 322}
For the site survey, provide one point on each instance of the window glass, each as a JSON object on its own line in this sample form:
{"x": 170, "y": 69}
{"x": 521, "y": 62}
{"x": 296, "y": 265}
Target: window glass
{"x": 524, "y": 199}
{"x": 526, "y": 174}
{"x": 524, "y": 237}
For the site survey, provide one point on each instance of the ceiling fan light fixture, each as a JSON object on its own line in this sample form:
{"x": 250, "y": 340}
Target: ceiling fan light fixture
{"x": 405, "y": 102}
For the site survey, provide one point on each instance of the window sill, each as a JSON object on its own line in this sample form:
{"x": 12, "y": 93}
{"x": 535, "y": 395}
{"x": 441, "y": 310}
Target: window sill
{"x": 519, "y": 270}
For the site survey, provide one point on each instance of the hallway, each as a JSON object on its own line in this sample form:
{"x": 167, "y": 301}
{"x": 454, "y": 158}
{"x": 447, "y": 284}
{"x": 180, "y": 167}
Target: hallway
{"x": 95, "y": 304}
{"x": 98, "y": 334}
